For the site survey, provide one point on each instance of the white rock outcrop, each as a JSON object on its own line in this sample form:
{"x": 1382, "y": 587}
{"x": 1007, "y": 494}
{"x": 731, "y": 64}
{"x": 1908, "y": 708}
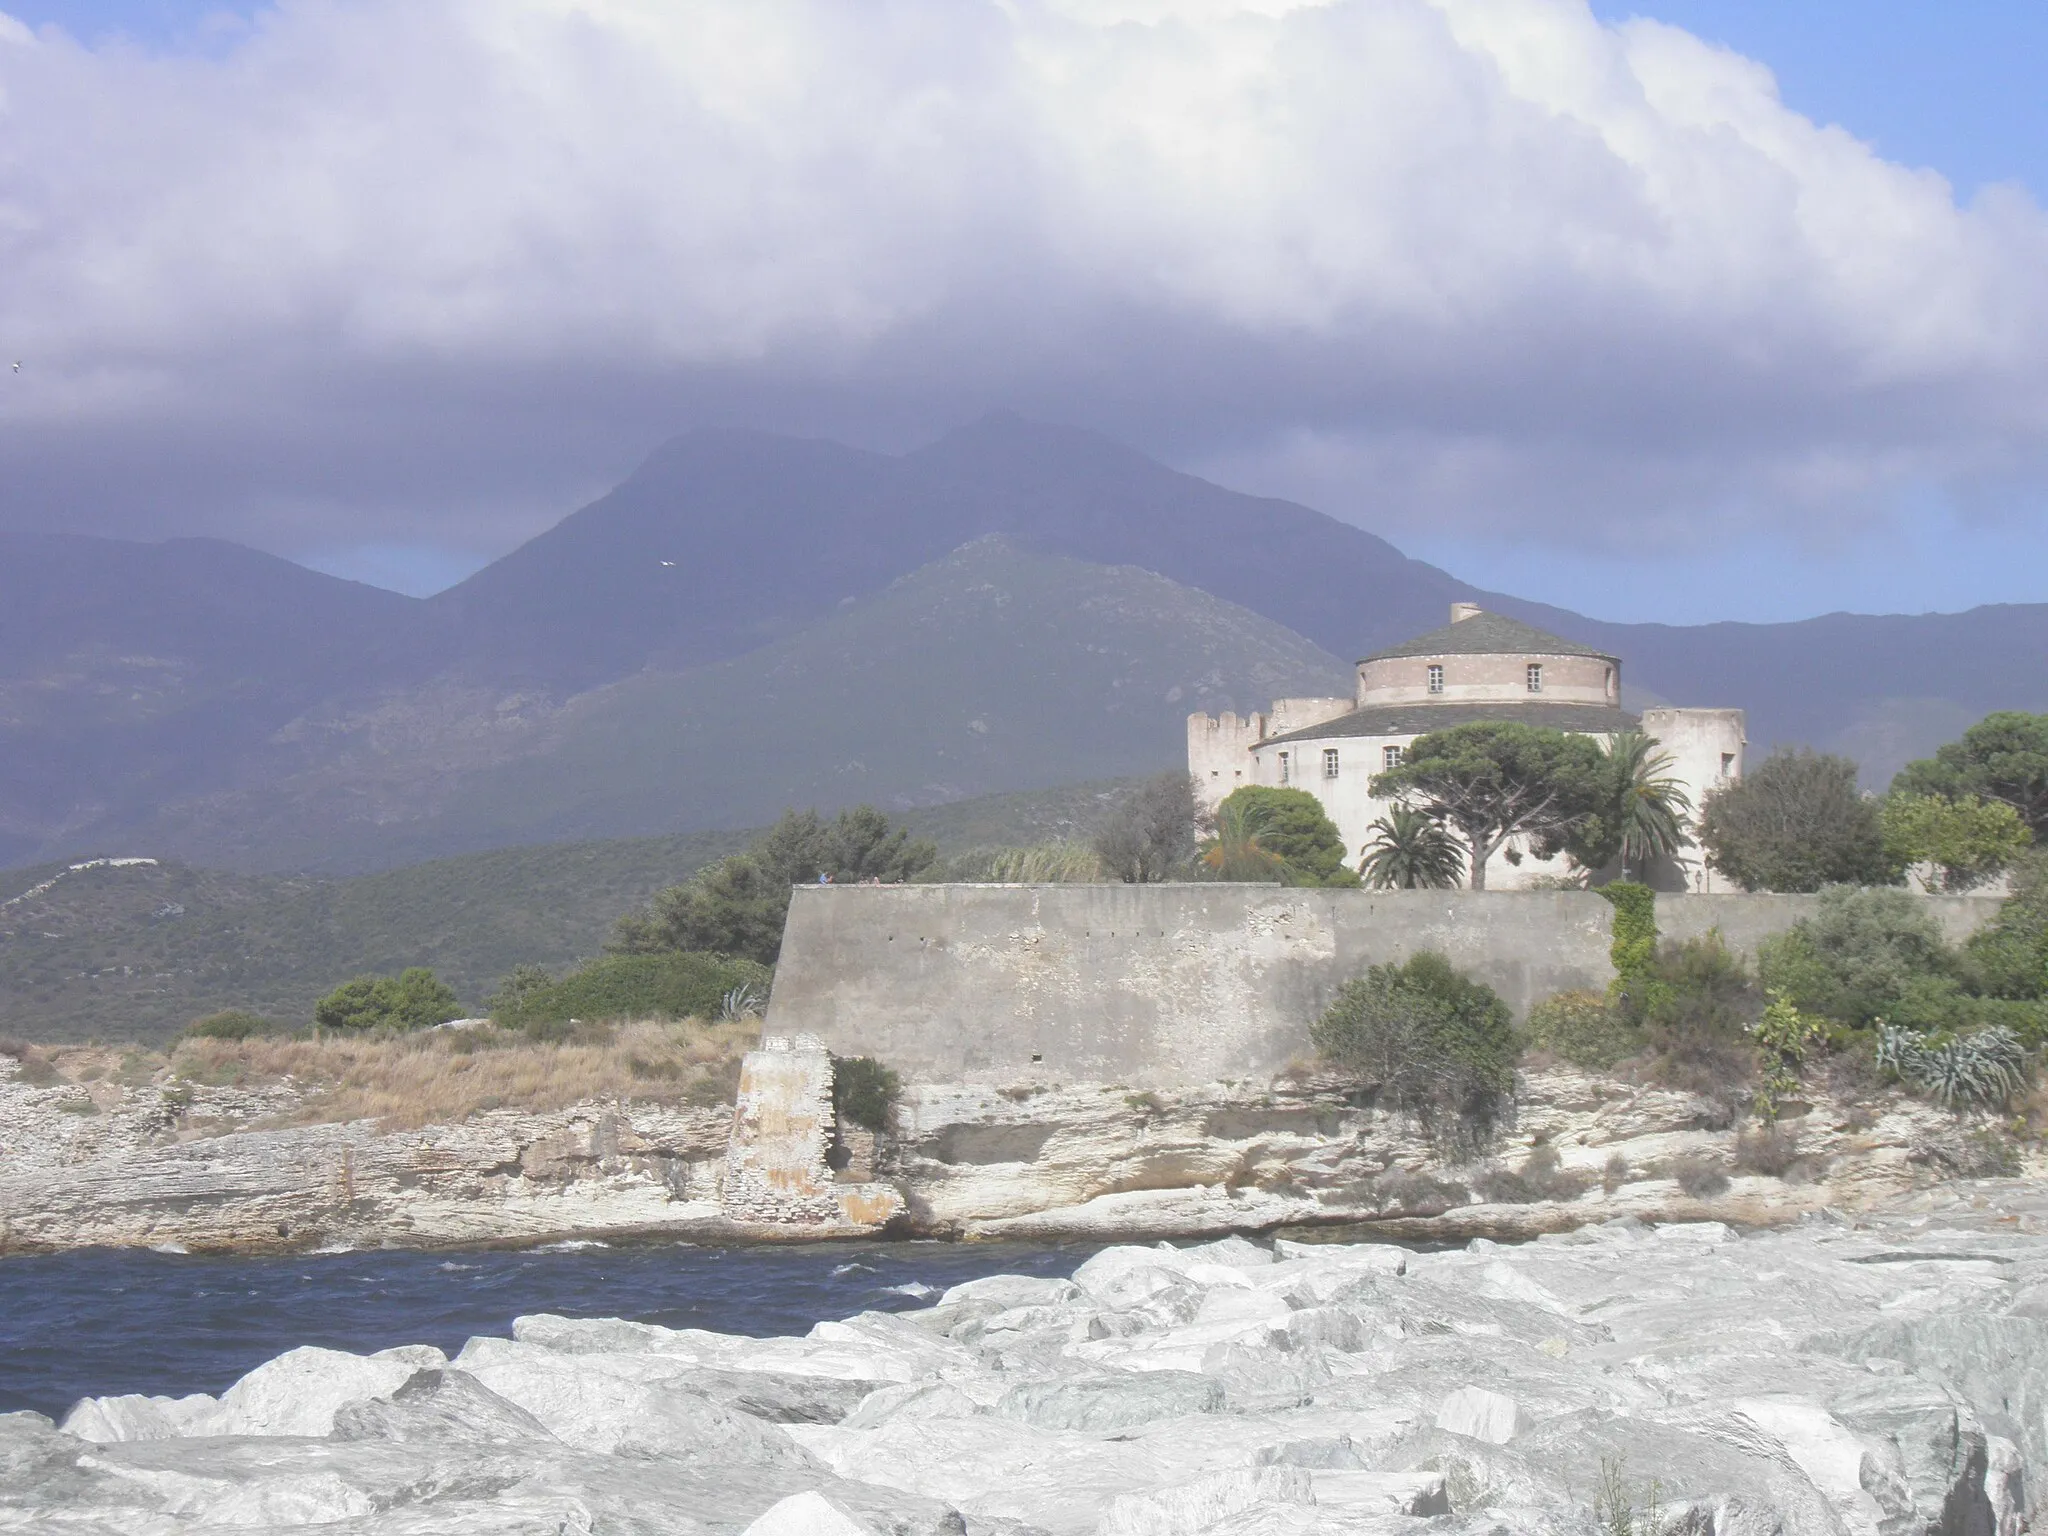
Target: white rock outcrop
{"x": 1880, "y": 1377}
{"x": 213, "y": 1168}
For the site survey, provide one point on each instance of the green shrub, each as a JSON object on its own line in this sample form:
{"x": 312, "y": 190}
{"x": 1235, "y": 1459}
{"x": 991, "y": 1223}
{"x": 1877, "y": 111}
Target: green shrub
{"x": 233, "y": 1024}
{"x": 659, "y": 986}
{"x": 1584, "y": 1029}
{"x": 864, "y": 1091}
{"x": 2009, "y": 956}
{"x": 413, "y": 999}
{"x": 1429, "y": 1038}
{"x": 1858, "y": 957}
{"x": 1702, "y": 1003}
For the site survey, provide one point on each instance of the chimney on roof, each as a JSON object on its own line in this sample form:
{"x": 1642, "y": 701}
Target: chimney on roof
{"x": 1460, "y": 612}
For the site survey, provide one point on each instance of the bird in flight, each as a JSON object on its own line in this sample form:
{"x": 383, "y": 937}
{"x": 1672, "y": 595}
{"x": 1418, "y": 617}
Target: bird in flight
{"x": 665, "y": 562}
{"x": 17, "y": 367}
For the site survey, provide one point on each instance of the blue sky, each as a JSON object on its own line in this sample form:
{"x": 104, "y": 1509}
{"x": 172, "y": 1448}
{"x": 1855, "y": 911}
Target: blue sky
{"x": 1709, "y": 448}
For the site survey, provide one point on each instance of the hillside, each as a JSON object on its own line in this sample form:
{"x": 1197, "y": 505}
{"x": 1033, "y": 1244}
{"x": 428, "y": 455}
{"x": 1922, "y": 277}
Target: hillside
{"x": 138, "y": 951}
{"x": 990, "y": 670}
{"x": 725, "y": 540}
{"x": 130, "y": 674}
{"x": 696, "y": 647}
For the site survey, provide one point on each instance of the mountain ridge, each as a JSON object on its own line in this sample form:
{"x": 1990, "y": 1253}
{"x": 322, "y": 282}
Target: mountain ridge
{"x": 158, "y": 687}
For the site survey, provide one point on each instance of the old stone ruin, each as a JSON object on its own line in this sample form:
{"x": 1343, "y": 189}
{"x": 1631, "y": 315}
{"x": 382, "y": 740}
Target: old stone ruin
{"x": 778, "y": 1161}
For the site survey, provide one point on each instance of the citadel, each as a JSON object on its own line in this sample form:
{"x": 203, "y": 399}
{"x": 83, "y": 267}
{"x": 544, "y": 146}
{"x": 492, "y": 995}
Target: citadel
{"x": 1479, "y": 667}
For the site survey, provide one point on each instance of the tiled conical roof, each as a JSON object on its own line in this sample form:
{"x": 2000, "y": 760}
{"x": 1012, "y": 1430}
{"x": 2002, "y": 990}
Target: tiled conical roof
{"x": 1488, "y": 634}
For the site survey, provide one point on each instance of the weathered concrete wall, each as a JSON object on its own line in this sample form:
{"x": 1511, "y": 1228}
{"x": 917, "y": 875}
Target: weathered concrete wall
{"x": 1168, "y": 985}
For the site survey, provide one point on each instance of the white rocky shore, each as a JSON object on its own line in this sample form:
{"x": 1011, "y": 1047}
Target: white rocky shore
{"x": 224, "y": 1169}
{"x": 1886, "y": 1375}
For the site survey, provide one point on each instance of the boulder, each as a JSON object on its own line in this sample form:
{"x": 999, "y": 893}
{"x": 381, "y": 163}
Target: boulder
{"x": 1205, "y": 1503}
{"x": 440, "y": 1407}
{"x": 593, "y": 1411}
{"x": 807, "y": 1514}
{"x": 777, "y": 1396}
{"x": 1006, "y": 1291}
{"x": 135, "y": 1417}
{"x": 1480, "y": 1414}
{"x": 1102, "y": 1403}
{"x": 299, "y": 1392}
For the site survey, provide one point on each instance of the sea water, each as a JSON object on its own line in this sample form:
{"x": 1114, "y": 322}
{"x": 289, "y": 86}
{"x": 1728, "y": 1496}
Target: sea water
{"x": 104, "y": 1321}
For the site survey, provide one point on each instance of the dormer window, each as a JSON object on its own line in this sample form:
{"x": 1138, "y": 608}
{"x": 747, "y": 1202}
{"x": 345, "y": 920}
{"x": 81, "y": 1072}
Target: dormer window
{"x": 1535, "y": 677}
{"x": 1436, "y": 679}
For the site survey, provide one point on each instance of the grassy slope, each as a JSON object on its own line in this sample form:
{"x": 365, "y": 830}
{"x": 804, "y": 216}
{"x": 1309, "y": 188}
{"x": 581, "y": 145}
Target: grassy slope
{"x": 135, "y": 953}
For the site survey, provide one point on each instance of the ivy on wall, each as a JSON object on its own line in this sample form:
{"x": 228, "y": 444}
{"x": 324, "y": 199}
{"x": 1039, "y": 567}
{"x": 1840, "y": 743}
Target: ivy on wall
{"x": 1634, "y": 950}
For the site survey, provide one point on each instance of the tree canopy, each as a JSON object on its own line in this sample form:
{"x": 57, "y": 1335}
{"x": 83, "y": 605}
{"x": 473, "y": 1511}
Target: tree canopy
{"x": 1266, "y": 833}
{"x": 1643, "y": 817}
{"x": 1151, "y": 834}
{"x": 737, "y": 906}
{"x": 1409, "y": 850}
{"x": 2004, "y": 757}
{"x": 1497, "y": 780}
{"x": 413, "y": 999}
{"x": 1796, "y": 824}
{"x": 1967, "y": 840}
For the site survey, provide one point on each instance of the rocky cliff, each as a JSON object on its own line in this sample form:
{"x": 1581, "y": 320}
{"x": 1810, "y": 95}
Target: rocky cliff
{"x": 170, "y": 1164}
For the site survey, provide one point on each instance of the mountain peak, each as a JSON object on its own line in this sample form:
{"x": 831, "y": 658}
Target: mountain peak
{"x": 1008, "y": 443}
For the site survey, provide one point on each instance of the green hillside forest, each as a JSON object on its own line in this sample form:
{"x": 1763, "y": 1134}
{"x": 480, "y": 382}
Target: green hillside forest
{"x": 136, "y": 951}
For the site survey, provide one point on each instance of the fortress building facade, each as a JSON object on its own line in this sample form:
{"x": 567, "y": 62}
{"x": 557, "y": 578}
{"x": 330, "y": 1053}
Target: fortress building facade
{"x": 1480, "y": 666}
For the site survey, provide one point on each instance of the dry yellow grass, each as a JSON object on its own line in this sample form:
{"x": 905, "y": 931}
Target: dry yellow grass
{"x": 439, "y": 1076}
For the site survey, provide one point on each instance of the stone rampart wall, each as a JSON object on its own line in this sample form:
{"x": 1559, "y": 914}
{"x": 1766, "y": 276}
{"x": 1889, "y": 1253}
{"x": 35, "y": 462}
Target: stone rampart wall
{"x": 1171, "y": 985}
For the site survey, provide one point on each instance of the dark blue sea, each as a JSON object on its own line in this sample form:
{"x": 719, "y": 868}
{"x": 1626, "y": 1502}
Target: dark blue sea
{"x": 104, "y": 1321}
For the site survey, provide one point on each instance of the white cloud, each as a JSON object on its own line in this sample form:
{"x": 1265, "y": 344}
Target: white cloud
{"x": 1482, "y": 264}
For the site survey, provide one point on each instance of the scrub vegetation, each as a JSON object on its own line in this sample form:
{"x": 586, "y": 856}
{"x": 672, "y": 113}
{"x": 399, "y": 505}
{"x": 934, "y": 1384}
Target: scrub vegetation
{"x": 426, "y": 1077}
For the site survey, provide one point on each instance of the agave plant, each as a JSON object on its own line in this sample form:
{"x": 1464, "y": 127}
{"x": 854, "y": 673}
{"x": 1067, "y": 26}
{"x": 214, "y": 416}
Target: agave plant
{"x": 1652, "y": 803}
{"x": 1410, "y": 848}
{"x": 742, "y": 1002}
{"x": 1987, "y": 1067}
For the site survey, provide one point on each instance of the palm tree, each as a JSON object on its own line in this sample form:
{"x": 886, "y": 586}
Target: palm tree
{"x": 1234, "y": 852}
{"x": 1651, "y": 804}
{"x": 1411, "y": 848}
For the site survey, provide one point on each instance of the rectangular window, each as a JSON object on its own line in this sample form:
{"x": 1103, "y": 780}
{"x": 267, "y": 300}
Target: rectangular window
{"x": 1390, "y": 757}
{"x": 1329, "y": 762}
{"x": 1535, "y": 677}
{"x": 1436, "y": 679}
{"x": 1727, "y": 764}
{"x": 1283, "y": 768}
